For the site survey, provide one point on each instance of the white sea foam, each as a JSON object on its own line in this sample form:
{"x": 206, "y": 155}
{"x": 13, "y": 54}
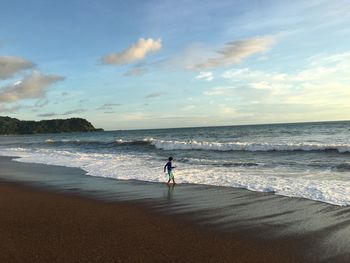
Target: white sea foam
{"x": 220, "y": 146}
{"x": 143, "y": 167}
{"x": 245, "y": 146}
{"x": 60, "y": 141}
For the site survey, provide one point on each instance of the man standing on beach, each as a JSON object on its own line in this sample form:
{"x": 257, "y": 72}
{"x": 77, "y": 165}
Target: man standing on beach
{"x": 169, "y": 166}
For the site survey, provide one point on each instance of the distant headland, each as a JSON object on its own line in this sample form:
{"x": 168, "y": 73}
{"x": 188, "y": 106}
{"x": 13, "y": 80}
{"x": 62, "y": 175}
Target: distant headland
{"x": 14, "y": 126}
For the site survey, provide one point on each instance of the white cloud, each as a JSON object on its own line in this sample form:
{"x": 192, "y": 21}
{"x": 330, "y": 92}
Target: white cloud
{"x": 325, "y": 81}
{"x": 235, "y": 52}
{"x": 247, "y": 74}
{"x": 208, "y": 76}
{"x": 9, "y": 66}
{"x": 197, "y": 57}
{"x": 328, "y": 59}
{"x": 135, "y": 52}
{"x": 32, "y": 86}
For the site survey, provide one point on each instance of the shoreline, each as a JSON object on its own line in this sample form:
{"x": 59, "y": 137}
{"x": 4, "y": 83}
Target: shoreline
{"x": 269, "y": 227}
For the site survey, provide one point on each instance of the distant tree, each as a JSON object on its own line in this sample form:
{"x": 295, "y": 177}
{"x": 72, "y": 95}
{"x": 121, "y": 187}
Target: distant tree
{"x": 14, "y": 126}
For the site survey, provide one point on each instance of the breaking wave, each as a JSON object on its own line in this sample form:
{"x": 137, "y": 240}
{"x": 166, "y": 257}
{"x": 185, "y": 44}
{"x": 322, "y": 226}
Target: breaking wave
{"x": 333, "y": 191}
{"x": 212, "y": 146}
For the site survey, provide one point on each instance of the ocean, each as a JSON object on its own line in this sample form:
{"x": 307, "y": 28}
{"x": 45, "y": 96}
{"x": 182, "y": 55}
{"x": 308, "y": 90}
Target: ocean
{"x": 307, "y": 160}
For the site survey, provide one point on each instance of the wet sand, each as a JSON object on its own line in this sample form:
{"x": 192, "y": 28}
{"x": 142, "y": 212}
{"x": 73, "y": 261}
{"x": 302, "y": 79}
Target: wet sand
{"x": 59, "y": 214}
{"x": 39, "y": 226}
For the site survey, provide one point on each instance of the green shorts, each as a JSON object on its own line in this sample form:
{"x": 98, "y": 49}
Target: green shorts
{"x": 171, "y": 175}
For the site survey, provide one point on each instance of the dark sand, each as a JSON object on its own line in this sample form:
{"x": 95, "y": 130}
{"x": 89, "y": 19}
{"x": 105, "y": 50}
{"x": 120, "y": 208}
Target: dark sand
{"x": 60, "y": 214}
{"x": 41, "y": 226}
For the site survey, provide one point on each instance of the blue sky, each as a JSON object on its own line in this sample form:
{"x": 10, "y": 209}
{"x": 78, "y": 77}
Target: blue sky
{"x": 155, "y": 64}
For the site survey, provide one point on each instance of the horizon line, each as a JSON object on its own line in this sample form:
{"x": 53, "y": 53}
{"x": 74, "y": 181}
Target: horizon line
{"x": 229, "y": 125}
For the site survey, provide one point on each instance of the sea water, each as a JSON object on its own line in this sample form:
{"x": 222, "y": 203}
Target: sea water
{"x": 307, "y": 160}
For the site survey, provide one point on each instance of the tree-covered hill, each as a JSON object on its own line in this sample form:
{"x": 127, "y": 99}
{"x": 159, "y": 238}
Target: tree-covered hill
{"x": 14, "y": 126}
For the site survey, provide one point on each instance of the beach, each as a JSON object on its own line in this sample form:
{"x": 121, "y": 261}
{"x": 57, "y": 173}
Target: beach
{"x": 43, "y": 221}
{"x": 167, "y": 131}
{"x": 41, "y": 226}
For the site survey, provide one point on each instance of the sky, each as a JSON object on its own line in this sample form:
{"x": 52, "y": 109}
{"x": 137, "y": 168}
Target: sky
{"x": 158, "y": 64}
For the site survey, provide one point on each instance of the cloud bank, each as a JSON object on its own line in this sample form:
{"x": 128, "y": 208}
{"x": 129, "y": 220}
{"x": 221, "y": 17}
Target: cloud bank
{"x": 32, "y": 86}
{"x": 9, "y": 66}
{"x": 135, "y": 52}
{"x": 322, "y": 87}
